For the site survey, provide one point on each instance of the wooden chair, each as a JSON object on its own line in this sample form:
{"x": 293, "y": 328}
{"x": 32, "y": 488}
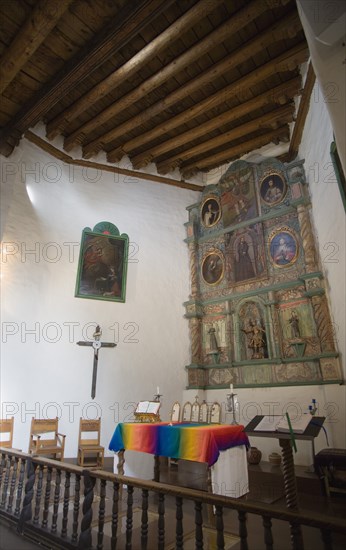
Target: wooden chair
{"x": 45, "y": 439}
{"x": 90, "y": 452}
{"x": 215, "y": 413}
{"x": 187, "y": 410}
{"x": 6, "y": 432}
{"x": 175, "y": 412}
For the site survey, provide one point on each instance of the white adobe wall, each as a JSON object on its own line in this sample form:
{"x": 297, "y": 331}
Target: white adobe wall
{"x": 45, "y": 373}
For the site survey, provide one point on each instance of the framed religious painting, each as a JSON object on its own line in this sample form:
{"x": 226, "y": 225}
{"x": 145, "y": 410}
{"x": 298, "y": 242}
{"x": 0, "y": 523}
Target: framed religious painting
{"x": 210, "y": 211}
{"x": 213, "y": 267}
{"x": 283, "y": 247}
{"x": 102, "y": 266}
{"x": 273, "y": 188}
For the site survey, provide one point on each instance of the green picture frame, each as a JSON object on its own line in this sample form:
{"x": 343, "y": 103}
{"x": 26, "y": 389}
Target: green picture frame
{"x": 102, "y": 264}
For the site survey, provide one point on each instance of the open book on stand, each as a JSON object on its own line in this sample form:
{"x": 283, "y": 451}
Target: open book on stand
{"x": 148, "y": 407}
{"x": 279, "y": 423}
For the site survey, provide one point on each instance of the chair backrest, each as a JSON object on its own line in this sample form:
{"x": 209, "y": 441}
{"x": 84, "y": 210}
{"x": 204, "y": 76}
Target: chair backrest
{"x": 6, "y": 432}
{"x": 175, "y": 412}
{"x": 195, "y": 412}
{"x": 215, "y": 413}
{"x": 46, "y": 427}
{"x": 203, "y": 412}
{"x": 187, "y": 409}
{"x": 89, "y": 432}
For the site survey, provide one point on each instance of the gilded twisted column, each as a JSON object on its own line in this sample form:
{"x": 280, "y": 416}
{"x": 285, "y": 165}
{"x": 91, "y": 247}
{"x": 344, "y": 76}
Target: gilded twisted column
{"x": 323, "y": 322}
{"x": 195, "y": 326}
{"x": 307, "y": 239}
{"x": 193, "y": 269}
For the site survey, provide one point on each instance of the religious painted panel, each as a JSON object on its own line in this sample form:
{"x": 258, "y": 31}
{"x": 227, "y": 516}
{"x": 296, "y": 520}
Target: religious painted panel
{"x": 102, "y": 266}
{"x": 273, "y": 189}
{"x": 210, "y": 211}
{"x": 238, "y": 197}
{"x": 245, "y": 250}
{"x": 283, "y": 247}
{"x": 213, "y": 267}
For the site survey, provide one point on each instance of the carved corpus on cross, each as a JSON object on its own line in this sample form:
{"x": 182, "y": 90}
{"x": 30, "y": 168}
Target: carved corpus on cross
{"x": 96, "y": 344}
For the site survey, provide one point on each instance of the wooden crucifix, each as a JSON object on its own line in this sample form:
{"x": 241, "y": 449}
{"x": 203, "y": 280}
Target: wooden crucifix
{"x": 96, "y": 344}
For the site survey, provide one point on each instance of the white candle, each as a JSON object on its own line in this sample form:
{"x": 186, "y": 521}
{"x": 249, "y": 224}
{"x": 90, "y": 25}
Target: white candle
{"x": 157, "y": 390}
{"x": 231, "y": 386}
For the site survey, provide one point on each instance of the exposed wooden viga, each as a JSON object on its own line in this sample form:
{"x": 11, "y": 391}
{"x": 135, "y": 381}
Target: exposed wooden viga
{"x": 240, "y": 19}
{"x": 298, "y": 54}
{"x": 116, "y": 35}
{"x": 60, "y": 504}
{"x": 158, "y": 81}
{"x": 126, "y": 71}
{"x": 287, "y": 27}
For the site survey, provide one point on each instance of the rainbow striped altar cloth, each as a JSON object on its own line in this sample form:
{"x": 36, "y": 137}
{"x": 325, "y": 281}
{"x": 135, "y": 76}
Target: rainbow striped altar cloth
{"x": 198, "y": 442}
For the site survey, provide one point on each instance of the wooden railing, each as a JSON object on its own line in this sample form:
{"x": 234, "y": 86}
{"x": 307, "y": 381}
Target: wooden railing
{"x": 43, "y": 497}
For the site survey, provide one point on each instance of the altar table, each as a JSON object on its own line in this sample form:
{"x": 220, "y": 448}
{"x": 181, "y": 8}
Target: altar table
{"x": 221, "y": 447}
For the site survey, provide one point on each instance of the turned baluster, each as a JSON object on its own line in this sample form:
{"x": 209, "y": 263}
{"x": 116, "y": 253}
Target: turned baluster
{"x": 242, "y": 530}
{"x": 38, "y": 495}
{"x": 56, "y": 500}
{"x": 289, "y": 476}
{"x": 291, "y": 492}
{"x": 115, "y": 515}
{"x": 26, "y": 512}
{"x": 268, "y": 536}
{"x": 66, "y": 504}
{"x": 121, "y": 462}
{"x": 85, "y": 539}
{"x": 179, "y": 530}
{"x": 129, "y": 517}
{"x": 161, "y": 522}
{"x": 76, "y": 506}
{"x": 144, "y": 520}
{"x": 6, "y": 481}
{"x": 102, "y": 507}
{"x": 198, "y": 524}
{"x": 296, "y": 536}
{"x": 46, "y": 498}
{"x": 12, "y": 484}
{"x": 2, "y": 466}
{"x": 20, "y": 487}
{"x": 327, "y": 538}
{"x": 220, "y": 541}
{"x": 156, "y": 468}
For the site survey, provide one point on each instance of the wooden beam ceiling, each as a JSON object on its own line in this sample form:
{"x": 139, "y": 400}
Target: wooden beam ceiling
{"x": 126, "y": 71}
{"x": 185, "y": 85}
{"x": 243, "y": 17}
{"x": 119, "y": 32}
{"x": 283, "y": 63}
{"x": 43, "y": 18}
{"x": 280, "y": 30}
